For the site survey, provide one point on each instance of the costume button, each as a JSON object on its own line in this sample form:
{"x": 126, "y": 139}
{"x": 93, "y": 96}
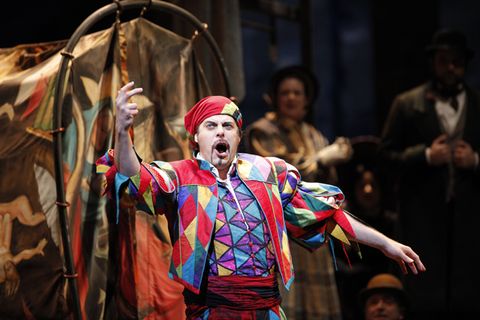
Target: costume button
{"x": 253, "y": 256}
{"x": 254, "y": 267}
{"x": 243, "y": 220}
{"x": 250, "y": 244}
{"x": 248, "y": 231}
{"x": 233, "y": 200}
{"x": 238, "y": 210}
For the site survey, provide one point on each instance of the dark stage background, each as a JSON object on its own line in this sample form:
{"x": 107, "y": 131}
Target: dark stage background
{"x": 365, "y": 52}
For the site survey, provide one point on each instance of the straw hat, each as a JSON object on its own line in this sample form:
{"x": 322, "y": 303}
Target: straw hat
{"x": 384, "y": 283}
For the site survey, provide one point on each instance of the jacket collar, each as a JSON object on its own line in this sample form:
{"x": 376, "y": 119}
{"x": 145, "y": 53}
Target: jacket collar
{"x": 207, "y": 166}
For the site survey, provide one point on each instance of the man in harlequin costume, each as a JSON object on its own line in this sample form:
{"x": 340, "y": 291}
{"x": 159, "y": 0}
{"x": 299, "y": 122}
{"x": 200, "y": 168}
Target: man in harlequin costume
{"x": 231, "y": 214}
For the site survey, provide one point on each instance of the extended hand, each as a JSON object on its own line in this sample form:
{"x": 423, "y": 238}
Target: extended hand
{"x": 440, "y": 152}
{"x": 463, "y": 155}
{"x": 338, "y": 152}
{"x": 126, "y": 111}
{"x": 403, "y": 254}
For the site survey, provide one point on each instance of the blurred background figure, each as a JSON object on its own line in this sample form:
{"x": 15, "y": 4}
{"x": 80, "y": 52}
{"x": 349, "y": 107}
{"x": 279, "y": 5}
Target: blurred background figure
{"x": 432, "y": 138}
{"x": 369, "y": 195}
{"x": 384, "y": 298}
{"x": 284, "y": 133}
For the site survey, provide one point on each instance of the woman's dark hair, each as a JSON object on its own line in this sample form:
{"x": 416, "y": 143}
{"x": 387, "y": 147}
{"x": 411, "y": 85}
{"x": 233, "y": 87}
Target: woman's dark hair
{"x": 310, "y": 83}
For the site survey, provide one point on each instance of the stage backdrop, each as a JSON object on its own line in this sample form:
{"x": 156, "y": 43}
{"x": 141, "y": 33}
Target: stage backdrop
{"x": 122, "y": 262}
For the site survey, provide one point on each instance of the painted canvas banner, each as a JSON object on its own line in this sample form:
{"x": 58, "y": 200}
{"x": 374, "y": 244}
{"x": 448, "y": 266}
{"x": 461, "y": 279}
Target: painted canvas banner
{"x": 122, "y": 267}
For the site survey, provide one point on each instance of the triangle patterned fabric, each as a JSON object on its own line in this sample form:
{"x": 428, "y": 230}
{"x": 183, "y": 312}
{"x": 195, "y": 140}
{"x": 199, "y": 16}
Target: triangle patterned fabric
{"x": 309, "y": 211}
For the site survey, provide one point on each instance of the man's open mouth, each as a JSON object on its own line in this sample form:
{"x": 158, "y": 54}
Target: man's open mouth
{"x": 221, "y": 148}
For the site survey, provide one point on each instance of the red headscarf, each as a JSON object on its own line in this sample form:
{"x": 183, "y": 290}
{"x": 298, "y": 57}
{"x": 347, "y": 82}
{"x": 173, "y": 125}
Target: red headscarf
{"x": 207, "y": 107}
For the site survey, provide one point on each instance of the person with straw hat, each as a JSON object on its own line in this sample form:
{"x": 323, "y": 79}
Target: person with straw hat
{"x": 384, "y": 298}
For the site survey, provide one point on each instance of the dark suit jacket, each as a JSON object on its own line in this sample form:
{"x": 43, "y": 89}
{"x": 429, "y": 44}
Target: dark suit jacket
{"x": 442, "y": 235}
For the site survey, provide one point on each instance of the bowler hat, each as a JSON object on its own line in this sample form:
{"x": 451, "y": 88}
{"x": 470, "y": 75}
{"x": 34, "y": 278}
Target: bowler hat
{"x": 384, "y": 283}
{"x": 450, "y": 40}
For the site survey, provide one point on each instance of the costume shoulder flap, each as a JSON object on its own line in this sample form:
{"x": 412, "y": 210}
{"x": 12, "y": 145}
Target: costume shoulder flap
{"x": 270, "y": 170}
{"x": 187, "y": 172}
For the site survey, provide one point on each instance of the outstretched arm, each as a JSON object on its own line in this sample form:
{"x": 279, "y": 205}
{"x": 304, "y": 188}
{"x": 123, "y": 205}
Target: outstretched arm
{"x": 391, "y": 248}
{"x": 125, "y": 158}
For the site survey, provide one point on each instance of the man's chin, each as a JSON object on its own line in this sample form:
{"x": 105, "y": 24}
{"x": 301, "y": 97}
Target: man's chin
{"x": 221, "y": 161}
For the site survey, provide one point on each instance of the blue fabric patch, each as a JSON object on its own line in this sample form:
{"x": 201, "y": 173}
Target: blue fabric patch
{"x": 120, "y": 180}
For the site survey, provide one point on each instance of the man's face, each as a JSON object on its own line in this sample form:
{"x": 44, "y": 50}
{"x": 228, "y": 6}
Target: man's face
{"x": 383, "y": 306}
{"x": 449, "y": 67}
{"x": 291, "y": 99}
{"x": 218, "y": 138}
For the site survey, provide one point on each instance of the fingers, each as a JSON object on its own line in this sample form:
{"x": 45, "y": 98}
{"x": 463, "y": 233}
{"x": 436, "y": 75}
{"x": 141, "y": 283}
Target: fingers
{"x": 406, "y": 259}
{"x": 440, "y": 152}
{"x": 462, "y": 144}
{"x": 404, "y": 255}
{"x": 440, "y": 139}
{"x": 132, "y": 92}
{"x": 126, "y": 111}
{"x": 402, "y": 266}
{"x": 413, "y": 261}
{"x": 126, "y": 87}
{"x": 420, "y": 264}
{"x": 125, "y": 93}
{"x": 464, "y": 156}
{"x": 413, "y": 267}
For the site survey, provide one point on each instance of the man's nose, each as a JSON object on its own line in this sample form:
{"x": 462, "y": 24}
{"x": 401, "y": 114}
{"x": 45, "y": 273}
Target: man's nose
{"x": 380, "y": 304}
{"x": 220, "y": 131}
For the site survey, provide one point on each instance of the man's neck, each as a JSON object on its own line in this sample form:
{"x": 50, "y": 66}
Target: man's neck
{"x": 221, "y": 174}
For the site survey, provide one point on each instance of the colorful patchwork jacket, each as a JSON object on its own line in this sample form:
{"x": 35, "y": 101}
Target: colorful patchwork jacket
{"x": 292, "y": 208}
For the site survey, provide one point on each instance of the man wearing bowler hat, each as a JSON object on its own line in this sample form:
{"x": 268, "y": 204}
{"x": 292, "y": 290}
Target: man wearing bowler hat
{"x": 432, "y": 137}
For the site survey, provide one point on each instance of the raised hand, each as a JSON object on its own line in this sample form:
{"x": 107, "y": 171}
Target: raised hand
{"x": 126, "y": 111}
{"x": 125, "y": 158}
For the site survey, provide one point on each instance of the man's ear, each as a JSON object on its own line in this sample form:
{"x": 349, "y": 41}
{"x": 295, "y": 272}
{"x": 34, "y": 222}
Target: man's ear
{"x": 196, "y": 137}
